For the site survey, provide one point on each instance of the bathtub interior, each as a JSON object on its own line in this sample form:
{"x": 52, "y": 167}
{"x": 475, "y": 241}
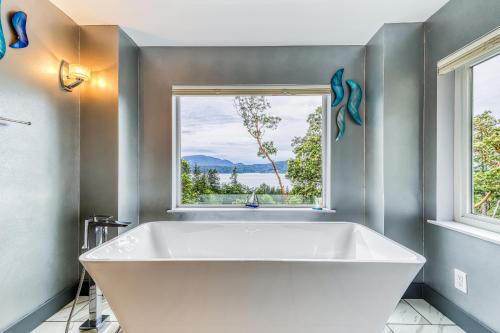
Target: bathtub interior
{"x": 251, "y": 241}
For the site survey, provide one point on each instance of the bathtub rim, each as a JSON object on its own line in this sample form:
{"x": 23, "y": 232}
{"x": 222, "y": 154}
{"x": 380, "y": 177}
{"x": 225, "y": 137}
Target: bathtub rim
{"x": 419, "y": 259}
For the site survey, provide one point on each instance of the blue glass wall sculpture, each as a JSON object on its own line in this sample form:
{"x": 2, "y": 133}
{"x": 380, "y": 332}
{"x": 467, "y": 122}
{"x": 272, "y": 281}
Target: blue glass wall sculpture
{"x": 355, "y": 96}
{"x": 337, "y": 87}
{"x": 340, "y": 123}
{"x": 3, "y": 48}
{"x": 19, "y": 25}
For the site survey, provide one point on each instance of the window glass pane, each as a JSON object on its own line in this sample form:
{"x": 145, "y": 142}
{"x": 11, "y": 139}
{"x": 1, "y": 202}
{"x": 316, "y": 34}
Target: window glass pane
{"x": 486, "y": 138}
{"x": 233, "y": 146}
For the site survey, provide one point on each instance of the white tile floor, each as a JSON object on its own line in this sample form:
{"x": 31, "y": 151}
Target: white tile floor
{"x": 57, "y": 323}
{"x": 410, "y": 316}
{"x": 418, "y": 316}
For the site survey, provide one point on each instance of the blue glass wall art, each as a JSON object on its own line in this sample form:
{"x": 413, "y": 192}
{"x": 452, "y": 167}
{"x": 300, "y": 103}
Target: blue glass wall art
{"x": 353, "y": 102}
{"x": 337, "y": 87}
{"x": 355, "y": 96}
{"x": 19, "y": 25}
{"x": 340, "y": 123}
{"x": 3, "y": 47}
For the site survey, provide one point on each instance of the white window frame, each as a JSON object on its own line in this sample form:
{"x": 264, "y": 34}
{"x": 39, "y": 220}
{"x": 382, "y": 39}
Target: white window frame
{"x": 261, "y": 90}
{"x": 463, "y": 181}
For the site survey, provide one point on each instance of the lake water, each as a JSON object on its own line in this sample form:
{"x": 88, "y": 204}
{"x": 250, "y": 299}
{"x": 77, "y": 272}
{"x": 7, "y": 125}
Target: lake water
{"x": 256, "y": 179}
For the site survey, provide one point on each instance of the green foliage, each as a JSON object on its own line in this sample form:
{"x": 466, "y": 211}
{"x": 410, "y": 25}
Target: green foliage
{"x": 486, "y": 164}
{"x": 266, "y": 189}
{"x": 304, "y": 170}
{"x": 267, "y": 148}
{"x": 213, "y": 180}
{"x": 237, "y": 188}
{"x": 254, "y": 112}
{"x": 200, "y": 181}
{"x": 234, "y": 176}
{"x": 205, "y": 188}
{"x": 188, "y": 194}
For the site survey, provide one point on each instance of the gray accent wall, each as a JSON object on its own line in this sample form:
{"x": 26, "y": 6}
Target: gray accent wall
{"x": 128, "y": 128}
{"x": 374, "y": 173}
{"x": 109, "y": 124}
{"x": 446, "y": 250}
{"x": 394, "y": 98}
{"x": 452, "y": 27}
{"x": 39, "y": 164}
{"x": 162, "y": 67}
{"x": 99, "y": 122}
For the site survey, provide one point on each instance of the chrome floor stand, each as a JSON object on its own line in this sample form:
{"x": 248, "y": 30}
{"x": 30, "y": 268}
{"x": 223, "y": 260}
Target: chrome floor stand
{"x": 97, "y": 321}
{"x": 95, "y": 325}
{"x": 95, "y": 234}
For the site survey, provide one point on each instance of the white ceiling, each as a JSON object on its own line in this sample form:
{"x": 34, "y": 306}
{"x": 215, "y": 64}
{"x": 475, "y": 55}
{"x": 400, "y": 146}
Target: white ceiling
{"x": 248, "y": 22}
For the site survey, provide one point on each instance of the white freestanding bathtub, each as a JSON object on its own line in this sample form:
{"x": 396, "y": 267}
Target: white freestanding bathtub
{"x": 282, "y": 277}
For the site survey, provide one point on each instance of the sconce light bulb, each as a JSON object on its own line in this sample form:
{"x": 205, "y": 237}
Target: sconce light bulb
{"x": 79, "y": 72}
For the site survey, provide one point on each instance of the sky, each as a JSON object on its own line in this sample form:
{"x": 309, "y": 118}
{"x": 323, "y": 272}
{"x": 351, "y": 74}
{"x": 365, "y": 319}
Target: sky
{"x": 486, "y": 92}
{"x": 211, "y": 126}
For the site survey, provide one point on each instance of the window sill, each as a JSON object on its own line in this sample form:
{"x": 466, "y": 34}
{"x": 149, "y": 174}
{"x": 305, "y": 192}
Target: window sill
{"x": 250, "y": 210}
{"x": 486, "y": 235}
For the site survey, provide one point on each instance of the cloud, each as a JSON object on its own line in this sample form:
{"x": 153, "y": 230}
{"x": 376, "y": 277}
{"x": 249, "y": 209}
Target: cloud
{"x": 211, "y": 126}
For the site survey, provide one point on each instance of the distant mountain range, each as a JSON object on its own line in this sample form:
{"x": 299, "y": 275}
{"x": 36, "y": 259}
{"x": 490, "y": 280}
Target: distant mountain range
{"x": 224, "y": 166}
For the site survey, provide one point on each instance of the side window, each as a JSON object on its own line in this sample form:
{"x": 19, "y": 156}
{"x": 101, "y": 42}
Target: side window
{"x": 485, "y": 112}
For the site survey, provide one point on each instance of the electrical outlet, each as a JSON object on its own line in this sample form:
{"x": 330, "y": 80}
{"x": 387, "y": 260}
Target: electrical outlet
{"x": 461, "y": 281}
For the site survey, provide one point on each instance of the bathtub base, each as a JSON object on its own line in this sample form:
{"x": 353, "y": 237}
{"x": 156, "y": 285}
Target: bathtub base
{"x": 250, "y": 297}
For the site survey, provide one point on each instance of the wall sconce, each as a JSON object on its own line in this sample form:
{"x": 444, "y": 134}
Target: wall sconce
{"x": 72, "y": 75}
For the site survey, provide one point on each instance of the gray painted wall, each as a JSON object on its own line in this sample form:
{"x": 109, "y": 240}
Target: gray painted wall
{"x": 446, "y": 250}
{"x": 393, "y": 128}
{"x": 162, "y": 67}
{"x": 109, "y": 124}
{"x": 374, "y": 173}
{"x": 128, "y": 128}
{"x": 39, "y": 164}
{"x": 403, "y": 110}
{"x": 99, "y": 122}
{"x": 455, "y": 25}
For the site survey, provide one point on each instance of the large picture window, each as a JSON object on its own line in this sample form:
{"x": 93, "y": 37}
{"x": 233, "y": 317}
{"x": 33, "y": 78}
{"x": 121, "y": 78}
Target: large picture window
{"x": 235, "y": 145}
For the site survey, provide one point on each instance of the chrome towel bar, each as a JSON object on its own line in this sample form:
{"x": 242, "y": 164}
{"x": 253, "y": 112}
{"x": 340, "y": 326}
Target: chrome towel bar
{"x": 15, "y": 121}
